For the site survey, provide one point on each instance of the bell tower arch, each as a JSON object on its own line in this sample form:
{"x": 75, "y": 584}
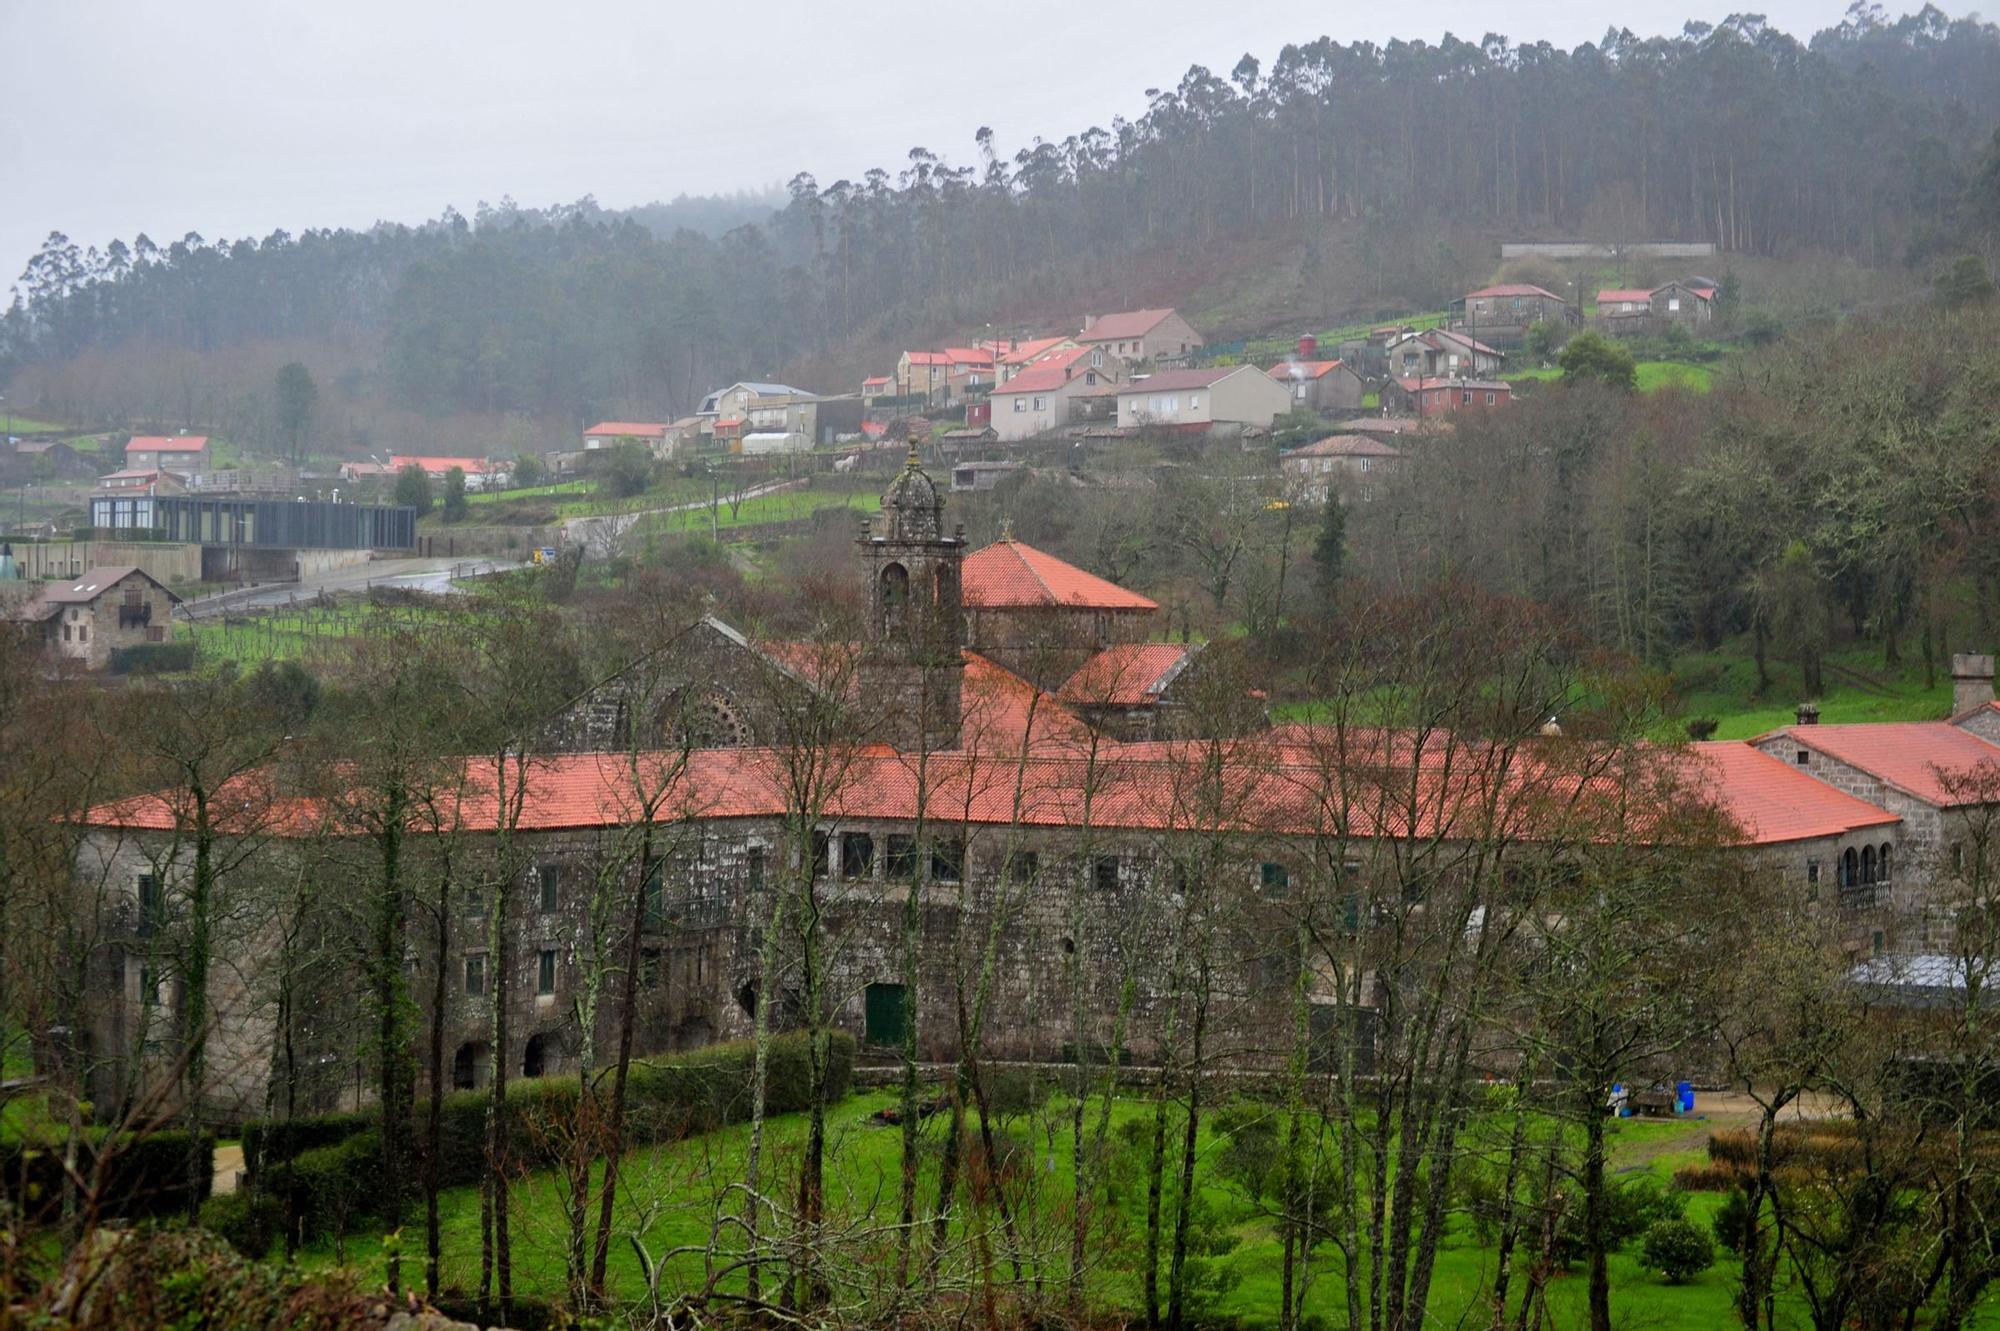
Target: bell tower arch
{"x": 912, "y": 664}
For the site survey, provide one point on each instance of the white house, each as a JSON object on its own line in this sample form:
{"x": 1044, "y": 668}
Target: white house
{"x": 1233, "y": 395}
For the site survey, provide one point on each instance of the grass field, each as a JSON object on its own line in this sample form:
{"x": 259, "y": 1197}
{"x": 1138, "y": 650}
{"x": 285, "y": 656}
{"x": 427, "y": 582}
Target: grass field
{"x": 1723, "y": 685}
{"x": 1653, "y": 375}
{"x": 29, "y": 425}
{"x": 789, "y": 506}
{"x": 675, "y": 1187}
{"x": 307, "y": 632}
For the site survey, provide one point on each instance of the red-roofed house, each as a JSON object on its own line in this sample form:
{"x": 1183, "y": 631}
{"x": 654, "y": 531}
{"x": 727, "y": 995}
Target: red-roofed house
{"x": 1126, "y": 689}
{"x": 877, "y": 386}
{"x": 1430, "y": 398}
{"x": 1153, "y": 336}
{"x": 143, "y": 480}
{"x": 1038, "y": 399}
{"x": 183, "y": 453}
{"x": 1505, "y": 312}
{"x": 608, "y": 434}
{"x": 480, "y": 473}
{"x": 1013, "y": 356}
{"x": 1351, "y": 461}
{"x": 1224, "y": 396}
{"x": 1323, "y": 385}
{"x": 1622, "y": 310}
{"x": 1029, "y": 610}
{"x": 943, "y": 376}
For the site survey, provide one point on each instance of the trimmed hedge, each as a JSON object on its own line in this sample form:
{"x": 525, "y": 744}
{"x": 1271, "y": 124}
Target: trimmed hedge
{"x": 327, "y": 1168}
{"x": 149, "y": 1176}
{"x": 147, "y": 658}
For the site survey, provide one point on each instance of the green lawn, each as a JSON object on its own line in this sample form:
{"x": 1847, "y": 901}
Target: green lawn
{"x": 1653, "y": 375}
{"x": 29, "y": 425}
{"x": 673, "y": 1187}
{"x": 1723, "y": 685}
{"x": 481, "y": 497}
{"x": 309, "y": 633}
{"x": 788, "y": 506}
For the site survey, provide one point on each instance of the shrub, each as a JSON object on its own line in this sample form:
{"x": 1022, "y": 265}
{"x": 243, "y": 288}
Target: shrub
{"x": 1630, "y": 1209}
{"x": 152, "y": 658}
{"x": 1706, "y": 1178}
{"x": 147, "y": 1175}
{"x": 1678, "y": 1250}
{"x": 248, "y": 1219}
{"x": 1729, "y": 1220}
{"x": 324, "y": 1167}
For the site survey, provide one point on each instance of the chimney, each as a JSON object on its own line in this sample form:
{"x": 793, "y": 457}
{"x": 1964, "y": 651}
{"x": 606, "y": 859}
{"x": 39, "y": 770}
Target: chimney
{"x": 1807, "y": 713}
{"x": 1088, "y": 321}
{"x": 1971, "y": 681}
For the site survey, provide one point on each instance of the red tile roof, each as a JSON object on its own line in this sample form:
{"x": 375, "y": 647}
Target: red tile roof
{"x": 1612, "y": 296}
{"x": 167, "y": 443}
{"x": 1123, "y": 325}
{"x": 1416, "y": 385}
{"x": 1344, "y": 446}
{"x": 1026, "y": 350}
{"x": 1042, "y": 378}
{"x": 439, "y": 466}
{"x": 636, "y": 429}
{"x": 873, "y": 380}
{"x": 1775, "y": 801}
{"x": 1935, "y": 761}
{"x": 1303, "y": 369}
{"x": 951, "y": 356}
{"x": 1008, "y": 575}
{"x": 1126, "y": 674}
{"x": 1513, "y": 289}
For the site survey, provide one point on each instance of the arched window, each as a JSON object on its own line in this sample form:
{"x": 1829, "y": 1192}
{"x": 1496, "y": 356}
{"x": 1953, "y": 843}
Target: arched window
{"x": 1867, "y": 865}
{"x": 895, "y": 594}
{"x": 1882, "y": 864}
{"x": 944, "y": 588}
{"x": 1850, "y": 865}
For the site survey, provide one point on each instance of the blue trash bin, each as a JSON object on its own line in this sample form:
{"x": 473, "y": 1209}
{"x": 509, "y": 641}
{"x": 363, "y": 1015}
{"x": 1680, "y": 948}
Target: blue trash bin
{"x": 1684, "y": 1095}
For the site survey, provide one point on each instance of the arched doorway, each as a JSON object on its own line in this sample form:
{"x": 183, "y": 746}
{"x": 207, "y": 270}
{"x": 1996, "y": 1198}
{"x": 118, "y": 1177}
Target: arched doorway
{"x": 539, "y": 1056}
{"x": 469, "y": 1066}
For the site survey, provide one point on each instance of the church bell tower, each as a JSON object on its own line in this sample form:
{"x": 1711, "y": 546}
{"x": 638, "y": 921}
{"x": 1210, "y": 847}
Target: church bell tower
{"x": 912, "y": 665}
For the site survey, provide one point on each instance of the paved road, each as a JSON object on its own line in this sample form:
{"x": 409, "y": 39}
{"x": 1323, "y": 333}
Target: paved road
{"x": 597, "y": 535}
{"x": 425, "y": 575}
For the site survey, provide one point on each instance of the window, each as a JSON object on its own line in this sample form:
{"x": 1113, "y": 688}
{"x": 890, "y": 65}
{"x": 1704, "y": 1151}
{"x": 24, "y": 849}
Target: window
{"x": 1041, "y": 404}
{"x": 1882, "y": 865}
{"x": 1489, "y": 399}
{"x": 1275, "y": 879}
{"x": 1194, "y": 402}
{"x": 1020, "y": 404}
{"x": 1465, "y": 397}
{"x": 653, "y": 905}
{"x": 821, "y": 851}
{"x": 149, "y": 985}
{"x": 1104, "y": 873}
{"x": 1673, "y": 304}
{"x": 650, "y": 969}
{"x": 948, "y": 860}
{"x": 1812, "y": 880}
{"x": 152, "y": 904}
{"x": 545, "y": 973}
{"x": 1022, "y": 866}
{"x": 755, "y": 865}
{"x": 549, "y": 878}
{"x": 83, "y": 633}
{"x": 475, "y": 975}
{"x": 857, "y": 855}
{"x": 1850, "y": 868}
{"x": 902, "y": 856}
{"x": 1876, "y": 942}
{"x": 1299, "y": 392}
{"x": 66, "y": 633}
{"x": 1804, "y": 757}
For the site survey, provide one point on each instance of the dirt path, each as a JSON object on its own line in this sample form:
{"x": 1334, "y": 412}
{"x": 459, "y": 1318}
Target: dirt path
{"x": 1713, "y": 1112}
{"x": 228, "y": 1164}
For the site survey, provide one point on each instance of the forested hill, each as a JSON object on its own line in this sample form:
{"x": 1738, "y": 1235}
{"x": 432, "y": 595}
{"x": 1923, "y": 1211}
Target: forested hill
{"x": 1874, "y": 139}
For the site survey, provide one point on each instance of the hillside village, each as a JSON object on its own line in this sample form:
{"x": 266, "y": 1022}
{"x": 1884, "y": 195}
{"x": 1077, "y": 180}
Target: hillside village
{"x": 1261, "y": 720}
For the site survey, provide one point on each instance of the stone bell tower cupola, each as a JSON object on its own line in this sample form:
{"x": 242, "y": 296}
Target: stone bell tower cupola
{"x": 912, "y": 666}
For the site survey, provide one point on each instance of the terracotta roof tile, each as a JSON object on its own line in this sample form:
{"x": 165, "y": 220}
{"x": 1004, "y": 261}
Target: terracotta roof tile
{"x": 1775, "y": 801}
{"x": 637, "y": 429}
{"x": 1932, "y": 760}
{"x": 167, "y": 443}
{"x": 1010, "y": 575}
{"x": 1126, "y": 674}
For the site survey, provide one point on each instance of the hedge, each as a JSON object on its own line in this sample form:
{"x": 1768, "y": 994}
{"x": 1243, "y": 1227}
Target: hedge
{"x": 145, "y": 658}
{"x": 326, "y": 1167}
{"x": 150, "y": 1174}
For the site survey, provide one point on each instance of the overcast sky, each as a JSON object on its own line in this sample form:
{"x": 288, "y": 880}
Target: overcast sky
{"x": 122, "y": 116}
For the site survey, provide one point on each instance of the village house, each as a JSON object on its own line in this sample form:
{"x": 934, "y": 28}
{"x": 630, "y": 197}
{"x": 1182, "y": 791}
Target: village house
{"x": 44, "y": 462}
{"x": 1506, "y": 312}
{"x": 480, "y": 473}
{"x": 1347, "y": 463}
{"x": 1689, "y": 305}
{"x": 1155, "y": 337}
{"x": 1039, "y": 400}
{"x": 1225, "y": 396}
{"x": 735, "y": 401}
{"x": 875, "y": 387}
{"x": 1429, "y": 398}
{"x": 1442, "y": 353}
{"x": 609, "y": 434}
{"x": 1014, "y": 355}
{"x": 967, "y": 477}
{"x": 176, "y": 452}
{"x": 143, "y": 480}
{"x": 86, "y": 618}
{"x": 1322, "y": 385}
{"x": 943, "y": 377}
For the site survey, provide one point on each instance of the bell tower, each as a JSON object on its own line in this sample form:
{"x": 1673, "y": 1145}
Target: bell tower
{"x": 912, "y": 666}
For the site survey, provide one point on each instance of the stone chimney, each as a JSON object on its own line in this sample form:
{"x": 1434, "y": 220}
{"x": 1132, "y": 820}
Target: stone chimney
{"x": 1807, "y": 713}
{"x": 1089, "y": 321}
{"x": 1971, "y": 681}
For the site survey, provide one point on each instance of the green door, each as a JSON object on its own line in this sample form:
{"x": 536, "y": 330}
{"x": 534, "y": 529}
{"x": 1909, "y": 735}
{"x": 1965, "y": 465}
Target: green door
{"x": 888, "y": 1016}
